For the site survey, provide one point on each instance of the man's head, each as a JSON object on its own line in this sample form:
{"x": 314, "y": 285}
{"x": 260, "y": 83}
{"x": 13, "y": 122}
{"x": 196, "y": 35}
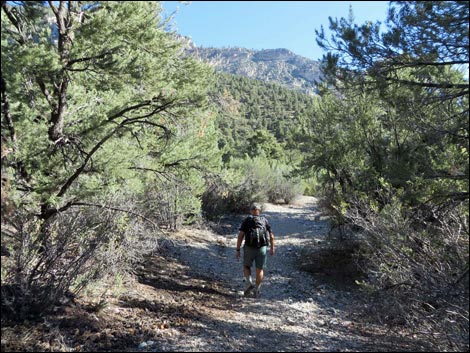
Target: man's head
{"x": 255, "y": 209}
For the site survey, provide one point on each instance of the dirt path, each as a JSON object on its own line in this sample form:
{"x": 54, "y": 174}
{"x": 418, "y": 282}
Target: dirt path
{"x": 188, "y": 297}
{"x": 296, "y": 311}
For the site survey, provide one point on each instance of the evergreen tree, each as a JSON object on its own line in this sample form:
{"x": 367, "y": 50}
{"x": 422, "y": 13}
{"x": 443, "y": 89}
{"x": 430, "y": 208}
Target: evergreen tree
{"x": 415, "y": 69}
{"x": 94, "y": 89}
{"x": 424, "y": 37}
{"x": 103, "y": 122}
{"x": 390, "y": 141}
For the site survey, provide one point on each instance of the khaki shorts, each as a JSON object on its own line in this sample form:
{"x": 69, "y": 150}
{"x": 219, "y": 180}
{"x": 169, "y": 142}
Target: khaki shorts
{"x": 259, "y": 255}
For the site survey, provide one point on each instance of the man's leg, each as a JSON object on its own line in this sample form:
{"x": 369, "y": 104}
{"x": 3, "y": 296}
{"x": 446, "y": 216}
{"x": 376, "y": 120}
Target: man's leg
{"x": 260, "y": 265}
{"x": 249, "y": 282}
{"x": 259, "y": 277}
{"x": 247, "y": 273}
{"x": 248, "y": 257}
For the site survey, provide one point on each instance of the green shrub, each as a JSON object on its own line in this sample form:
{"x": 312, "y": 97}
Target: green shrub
{"x": 247, "y": 180}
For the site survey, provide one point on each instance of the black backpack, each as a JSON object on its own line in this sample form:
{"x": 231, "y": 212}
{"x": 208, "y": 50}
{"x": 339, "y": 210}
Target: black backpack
{"x": 257, "y": 235}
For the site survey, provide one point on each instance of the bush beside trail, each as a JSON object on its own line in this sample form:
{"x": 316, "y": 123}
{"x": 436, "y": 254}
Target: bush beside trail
{"x": 248, "y": 180}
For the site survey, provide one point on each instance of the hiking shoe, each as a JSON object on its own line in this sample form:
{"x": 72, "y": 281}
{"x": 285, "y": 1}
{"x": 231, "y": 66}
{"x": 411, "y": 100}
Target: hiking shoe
{"x": 248, "y": 289}
{"x": 257, "y": 293}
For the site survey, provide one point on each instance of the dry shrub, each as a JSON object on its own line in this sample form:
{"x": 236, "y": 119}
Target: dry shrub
{"x": 83, "y": 245}
{"x": 338, "y": 258}
{"x": 417, "y": 268}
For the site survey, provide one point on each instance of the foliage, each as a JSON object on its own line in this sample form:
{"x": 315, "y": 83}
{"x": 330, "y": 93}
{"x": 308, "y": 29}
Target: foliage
{"x": 257, "y": 122}
{"x": 248, "y": 180}
{"x": 427, "y": 264}
{"x": 389, "y": 140}
{"x": 98, "y": 100}
{"x": 255, "y": 116}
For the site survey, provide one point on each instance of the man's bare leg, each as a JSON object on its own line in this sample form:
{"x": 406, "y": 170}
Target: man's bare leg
{"x": 249, "y": 284}
{"x": 259, "y": 280}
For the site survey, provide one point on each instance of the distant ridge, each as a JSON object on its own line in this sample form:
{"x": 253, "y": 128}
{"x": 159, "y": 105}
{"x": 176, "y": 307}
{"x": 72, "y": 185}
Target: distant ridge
{"x": 271, "y": 65}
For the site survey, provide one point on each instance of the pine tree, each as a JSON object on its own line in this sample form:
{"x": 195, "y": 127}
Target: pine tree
{"x": 106, "y": 136}
{"x": 96, "y": 91}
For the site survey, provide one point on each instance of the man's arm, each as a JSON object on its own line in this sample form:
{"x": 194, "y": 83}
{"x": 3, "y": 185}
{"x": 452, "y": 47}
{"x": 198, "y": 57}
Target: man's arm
{"x": 271, "y": 241}
{"x": 271, "y": 236}
{"x": 241, "y": 235}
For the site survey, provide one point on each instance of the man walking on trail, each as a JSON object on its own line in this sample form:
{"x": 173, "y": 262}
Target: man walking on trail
{"x": 255, "y": 229}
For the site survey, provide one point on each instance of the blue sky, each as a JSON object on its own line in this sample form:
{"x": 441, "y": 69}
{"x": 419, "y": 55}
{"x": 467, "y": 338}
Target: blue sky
{"x": 266, "y": 24}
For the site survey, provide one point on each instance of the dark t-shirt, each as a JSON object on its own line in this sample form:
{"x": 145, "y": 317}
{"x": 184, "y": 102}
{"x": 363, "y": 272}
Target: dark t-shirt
{"x": 245, "y": 226}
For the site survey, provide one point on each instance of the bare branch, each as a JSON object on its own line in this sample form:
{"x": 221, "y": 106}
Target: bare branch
{"x": 45, "y": 91}
{"x": 80, "y": 169}
{"x": 116, "y": 209}
{"x": 99, "y": 56}
{"x": 430, "y": 84}
{"x": 7, "y": 114}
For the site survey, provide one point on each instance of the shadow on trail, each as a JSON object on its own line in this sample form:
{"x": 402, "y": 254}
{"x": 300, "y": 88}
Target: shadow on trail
{"x": 208, "y": 273}
{"x": 240, "y": 336}
{"x": 168, "y": 273}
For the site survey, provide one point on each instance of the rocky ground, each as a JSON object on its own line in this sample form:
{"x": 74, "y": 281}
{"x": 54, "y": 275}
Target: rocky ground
{"x": 188, "y": 297}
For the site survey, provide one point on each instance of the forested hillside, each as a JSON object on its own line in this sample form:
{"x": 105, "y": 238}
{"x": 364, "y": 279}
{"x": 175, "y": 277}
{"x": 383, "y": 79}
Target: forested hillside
{"x": 248, "y": 108}
{"x": 256, "y": 122}
{"x": 115, "y": 138}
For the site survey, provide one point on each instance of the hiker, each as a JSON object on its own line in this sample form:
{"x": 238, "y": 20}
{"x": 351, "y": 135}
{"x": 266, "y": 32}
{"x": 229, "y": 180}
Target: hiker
{"x": 255, "y": 229}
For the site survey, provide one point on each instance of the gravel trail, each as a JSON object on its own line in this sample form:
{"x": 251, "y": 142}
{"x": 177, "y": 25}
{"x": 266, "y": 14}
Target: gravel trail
{"x": 296, "y": 311}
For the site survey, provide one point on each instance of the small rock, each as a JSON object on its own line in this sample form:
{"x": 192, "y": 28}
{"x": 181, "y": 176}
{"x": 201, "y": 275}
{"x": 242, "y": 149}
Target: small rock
{"x": 142, "y": 345}
{"x": 334, "y": 321}
{"x": 331, "y": 311}
{"x": 290, "y": 321}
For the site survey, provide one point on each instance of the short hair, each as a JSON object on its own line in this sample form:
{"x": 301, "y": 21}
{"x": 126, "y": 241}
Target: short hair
{"x": 255, "y": 206}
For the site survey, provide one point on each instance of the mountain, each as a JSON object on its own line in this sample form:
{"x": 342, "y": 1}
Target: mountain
{"x": 271, "y": 65}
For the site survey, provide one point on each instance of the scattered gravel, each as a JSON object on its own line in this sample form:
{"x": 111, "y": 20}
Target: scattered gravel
{"x": 296, "y": 311}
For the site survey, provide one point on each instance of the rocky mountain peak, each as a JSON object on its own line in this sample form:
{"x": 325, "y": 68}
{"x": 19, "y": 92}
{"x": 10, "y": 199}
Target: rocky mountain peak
{"x": 279, "y": 65}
